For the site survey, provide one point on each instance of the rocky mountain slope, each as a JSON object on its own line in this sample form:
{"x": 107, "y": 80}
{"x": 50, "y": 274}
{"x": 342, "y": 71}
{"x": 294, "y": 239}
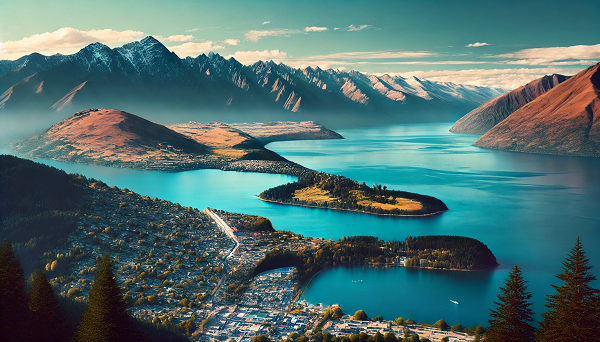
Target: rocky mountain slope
{"x": 144, "y": 76}
{"x": 486, "y": 116}
{"x": 564, "y": 120}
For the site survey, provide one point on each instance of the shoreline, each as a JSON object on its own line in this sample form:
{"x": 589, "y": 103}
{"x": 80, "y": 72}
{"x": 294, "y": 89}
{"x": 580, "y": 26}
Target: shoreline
{"x": 303, "y": 287}
{"x": 351, "y": 210}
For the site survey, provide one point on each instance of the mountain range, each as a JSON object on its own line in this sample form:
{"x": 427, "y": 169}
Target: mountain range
{"x": 564, "y": 120}
{"x": 144, "y": 76}
{"x": 483, "y": 118}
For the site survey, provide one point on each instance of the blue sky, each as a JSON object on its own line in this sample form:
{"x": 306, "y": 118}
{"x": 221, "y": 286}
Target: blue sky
{"x": 494, "y": 43}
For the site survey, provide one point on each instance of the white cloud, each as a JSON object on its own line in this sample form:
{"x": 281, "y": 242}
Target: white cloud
{"x": 478, "y": 44}
{"x": 193, "y": 30}
{"x": 231, "y": 41}
{"x": 325, "y": 64}
{"x": 246, "y": 57}
{"x": 433, "y": 63}
{"x": 66, "y": 40}
{"x": 176, "y": 38}
{"x": 255, "y": 35}
{"x": 194, "y": 49}
{"x": 375, "y": 55}
{"x": 266, "y": 22}
{"x": 568, "y": 55}
{"x": 315, "y": 29}
{"x": 336, "y": 28}
{"x": 358, "y": 28}
{"x": 503, "y": 78}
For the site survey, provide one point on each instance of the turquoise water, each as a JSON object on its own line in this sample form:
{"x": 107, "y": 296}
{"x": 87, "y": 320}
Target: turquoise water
{"x": 527, "y": 208}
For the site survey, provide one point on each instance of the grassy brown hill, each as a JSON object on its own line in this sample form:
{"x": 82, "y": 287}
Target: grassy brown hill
{"x": 116, "y": 138}
{"x": 564, "y": 120}
{"x": 109, "y": 135}
{"x": 483, "y": 118}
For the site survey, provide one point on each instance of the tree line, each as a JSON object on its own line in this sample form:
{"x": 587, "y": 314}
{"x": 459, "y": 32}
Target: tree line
{"x": 349, "y": 193}
{"x": 438, "y": 250}
{"x": 38, "y": 314}
{"x": 573, "y": 311}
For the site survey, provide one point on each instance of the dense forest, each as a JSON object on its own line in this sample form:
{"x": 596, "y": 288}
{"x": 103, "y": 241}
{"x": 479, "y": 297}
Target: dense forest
{"x": 345, "y": 193}
{"x": 39, "y": 206}
{"x": 443, "y": 252}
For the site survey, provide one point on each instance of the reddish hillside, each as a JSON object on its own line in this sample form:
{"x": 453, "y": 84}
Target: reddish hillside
{"x": 486, "y": 116}
{"x": 109, "y": 135}
{"x": 565, "y": 120}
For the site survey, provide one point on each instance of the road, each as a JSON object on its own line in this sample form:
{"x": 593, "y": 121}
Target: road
{"x": 224, "y": 227}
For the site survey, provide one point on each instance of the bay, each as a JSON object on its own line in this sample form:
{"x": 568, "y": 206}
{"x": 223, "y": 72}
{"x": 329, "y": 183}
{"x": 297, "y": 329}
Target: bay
{"x": 528, "y": 209}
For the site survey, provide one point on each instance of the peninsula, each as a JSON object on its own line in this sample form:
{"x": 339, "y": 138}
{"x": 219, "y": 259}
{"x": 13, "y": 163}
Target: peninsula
{"x": 116, "y": 138}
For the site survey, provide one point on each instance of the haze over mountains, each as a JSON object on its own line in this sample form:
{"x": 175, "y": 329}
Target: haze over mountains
{"x": 486, "y": 116}
{"x": 145, "y": 77}
{"x": 565, "y": 120}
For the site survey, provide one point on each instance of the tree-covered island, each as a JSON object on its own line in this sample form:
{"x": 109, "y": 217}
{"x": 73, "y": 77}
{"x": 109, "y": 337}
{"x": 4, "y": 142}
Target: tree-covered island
{"x": 324, "y": 190}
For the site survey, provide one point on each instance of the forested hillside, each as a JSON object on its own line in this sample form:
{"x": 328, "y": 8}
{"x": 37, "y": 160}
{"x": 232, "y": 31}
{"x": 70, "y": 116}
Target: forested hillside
{"x": 38, "y": 206}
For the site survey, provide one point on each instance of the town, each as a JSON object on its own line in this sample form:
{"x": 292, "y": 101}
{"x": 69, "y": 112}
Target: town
{"x": 179, "y": 265}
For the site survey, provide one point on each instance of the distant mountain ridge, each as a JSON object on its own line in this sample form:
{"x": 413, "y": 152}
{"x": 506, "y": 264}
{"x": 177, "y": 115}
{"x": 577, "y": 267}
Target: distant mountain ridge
{"x": 486, "y": 116}
{"x": 146, "y": 76}
{"x": 564, "y": 120}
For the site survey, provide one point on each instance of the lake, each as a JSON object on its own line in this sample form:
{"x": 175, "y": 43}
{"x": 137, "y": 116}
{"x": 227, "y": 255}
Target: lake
{"x": 528, "y": 209}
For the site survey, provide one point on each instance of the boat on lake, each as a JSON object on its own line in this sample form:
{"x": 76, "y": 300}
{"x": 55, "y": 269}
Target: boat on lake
{"x": 455, "y": 302}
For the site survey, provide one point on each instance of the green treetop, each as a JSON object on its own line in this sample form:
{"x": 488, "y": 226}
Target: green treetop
{"x": 107, "y": 318}
{"x": 14, "y": 314}
{"x": 511, "y": 320}
{"x": 48, "y": 319}
{"x": 360, "y": 315}
{"x": 572, "y": 312}
{"x": 441, "y": 324}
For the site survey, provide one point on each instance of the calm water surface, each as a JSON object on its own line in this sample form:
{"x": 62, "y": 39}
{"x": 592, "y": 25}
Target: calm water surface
{"x": 528, "y": 209}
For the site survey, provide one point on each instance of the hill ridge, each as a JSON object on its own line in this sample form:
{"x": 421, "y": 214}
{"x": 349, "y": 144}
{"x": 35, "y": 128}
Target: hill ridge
{"x": 564, "y": 121}
{"x": 483, "y": 118}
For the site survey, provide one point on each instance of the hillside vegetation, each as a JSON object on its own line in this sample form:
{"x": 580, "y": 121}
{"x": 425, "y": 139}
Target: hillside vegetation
{"x": 39, "y": 205}
{"x": 436, "y": 251}
{"x": 337, "y": 192}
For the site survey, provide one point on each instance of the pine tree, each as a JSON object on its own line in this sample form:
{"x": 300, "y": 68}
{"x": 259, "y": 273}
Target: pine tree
{"x": 107, "y": 317}
{"x": 14, "y": 314}
{"x": 511, "y": 321}
{"x": 48, "y": 319}
{"x": 572, "y": 311}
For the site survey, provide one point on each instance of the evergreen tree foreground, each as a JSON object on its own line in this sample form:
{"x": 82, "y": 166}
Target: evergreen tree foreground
{"x": 107, "y": 318}
{"x": 14, "y": 314}
{"x": 47, "y": 317}
{"x": 511, "y": 320}
{"x": 573, "y": 311}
